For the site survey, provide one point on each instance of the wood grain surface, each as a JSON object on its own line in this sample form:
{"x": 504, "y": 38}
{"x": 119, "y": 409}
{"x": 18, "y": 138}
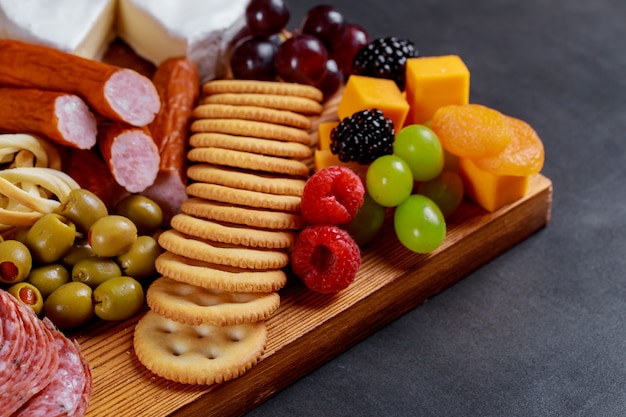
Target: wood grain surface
{"x": 309, "y": 328}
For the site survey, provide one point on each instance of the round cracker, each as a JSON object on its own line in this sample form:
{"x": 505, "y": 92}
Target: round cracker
{"x": 256, "y": 113}
{"x": 251, "y": 144}
{"x": 222, "y": 253}
{"x": 300, "y": 105}
{"x": 233, "y": 234}
{"x": 219, "y": 277}
{"x": 197, "y": 354}
{"x": 263, "y": 130}
{"x": 269, "y": 219}
{"x": 244, "y": 197}
{"x": 249, "y": 160}
{"x": 246, "y": 180}
{"x": 262, "y": 87}
{"x": 195, "y": 305}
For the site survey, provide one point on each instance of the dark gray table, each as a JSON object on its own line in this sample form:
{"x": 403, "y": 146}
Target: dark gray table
{"x": 541, "y": 330}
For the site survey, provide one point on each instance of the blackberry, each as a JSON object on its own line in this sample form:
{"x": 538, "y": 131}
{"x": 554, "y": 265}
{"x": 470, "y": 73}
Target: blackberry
{"x": 363, "y": 137}
{"x": 385, "y": 58}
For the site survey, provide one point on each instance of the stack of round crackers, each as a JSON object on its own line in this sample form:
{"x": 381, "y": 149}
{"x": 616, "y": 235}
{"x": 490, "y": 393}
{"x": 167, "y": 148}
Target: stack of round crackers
{"x": 226, "y": 250}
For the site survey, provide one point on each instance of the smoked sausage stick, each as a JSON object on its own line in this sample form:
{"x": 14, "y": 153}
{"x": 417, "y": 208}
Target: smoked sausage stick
{"x": 178, "y": 84}
{"x": 116, "y": 93}
{"x": 131, "y": 155}
{"x": 63, "y": 118}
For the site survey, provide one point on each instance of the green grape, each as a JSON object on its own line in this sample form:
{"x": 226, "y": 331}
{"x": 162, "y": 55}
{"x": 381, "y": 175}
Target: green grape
{"x": 389, "y": 180}
{"x": 419, "y": 224}
{"x": 420, "y": 148}
{"x": 446, "y": 190}
{"x": 367, "y": 222}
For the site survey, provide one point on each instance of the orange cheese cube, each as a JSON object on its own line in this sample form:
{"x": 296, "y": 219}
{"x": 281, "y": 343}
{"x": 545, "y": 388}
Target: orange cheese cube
{"x": 325, "y": 158}
{"x": 323, "y": 132}
{"x": 363, "y": 93}
{"x": 491, "y": 191}
{"x": 433, "y": 82}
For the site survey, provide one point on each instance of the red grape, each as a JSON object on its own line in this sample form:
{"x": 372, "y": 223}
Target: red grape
{"x": 332, "y": 80}
{"x": 344, "y": 50}
{"x": 325, "y": 23}
{"x": 266, "y": 17}
{"x": 252, "y": 58}
{"x": 302, "y": 59}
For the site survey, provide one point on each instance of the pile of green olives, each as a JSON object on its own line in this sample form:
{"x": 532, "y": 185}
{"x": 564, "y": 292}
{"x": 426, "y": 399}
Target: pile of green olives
{"x": 82, "y": 261}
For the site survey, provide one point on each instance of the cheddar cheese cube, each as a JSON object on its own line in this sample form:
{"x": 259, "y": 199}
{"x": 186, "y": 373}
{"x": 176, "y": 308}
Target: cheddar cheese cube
{"x": 491, "y": 191}
{"x": 323, "y": 134}
{"x": 363, "y": 93}
{"x": 434, "y": 82}
{"x": 325, "y": 158}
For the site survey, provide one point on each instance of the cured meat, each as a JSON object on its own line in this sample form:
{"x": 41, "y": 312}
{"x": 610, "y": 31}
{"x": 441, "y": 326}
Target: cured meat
{"x": 91, "y": 173}
{"x": 178, "y": 84}
{"x": 61, "y": 117}
{"x": 33, "y": 366}
{"x": 69, "y": 392}
{"x": 131, "y": 155}
{"x": 116, "y": 93}
{"x": 42, "y": 372}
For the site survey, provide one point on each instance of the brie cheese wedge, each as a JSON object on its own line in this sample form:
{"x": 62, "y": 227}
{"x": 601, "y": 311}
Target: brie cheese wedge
{"x": 81, "y": 27}
{"x": 201, "y": 30}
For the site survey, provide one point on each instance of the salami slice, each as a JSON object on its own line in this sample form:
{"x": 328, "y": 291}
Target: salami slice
{"x": 69, "y": 392}
{"x": 36, "y": 362}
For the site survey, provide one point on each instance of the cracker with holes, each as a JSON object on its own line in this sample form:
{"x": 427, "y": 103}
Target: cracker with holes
{"x": 197, "y": 354}
{"x": 194, "y": 305}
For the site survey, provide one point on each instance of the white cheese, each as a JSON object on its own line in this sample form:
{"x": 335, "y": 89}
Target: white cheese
{"x": 198, "y": 29}
{"x": 82, "y": 27}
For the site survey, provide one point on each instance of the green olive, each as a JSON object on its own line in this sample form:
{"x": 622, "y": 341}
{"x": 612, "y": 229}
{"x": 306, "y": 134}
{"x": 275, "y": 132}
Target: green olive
{"x": 15, "y": 261}
{"x": 70, "y": 305}
{"x": 79, "y": 250}
{"x": 28, "y": 294}
{"x": 139, "y": 261}
{"x": 94, "y": 270}
{"x": 48, "y": 278}
{"x": 143, "y": 211}
{"x": 20, "y": 234}
{"x": 112, "y": 235}
{"x": 118, "y": 298}
{"x": 82, "y": 207}
{"x": 50, "y": 237}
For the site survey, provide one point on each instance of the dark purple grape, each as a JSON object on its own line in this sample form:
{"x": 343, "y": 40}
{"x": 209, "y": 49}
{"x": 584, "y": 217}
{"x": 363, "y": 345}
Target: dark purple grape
{"x": 326, "y": 23}
{"x": 344, "y": 50}
{"x": 332, "y": 80}
{"x": 301, "y": 59}
{"x": 266, "y": 17}
{"x": 252, "y": 58}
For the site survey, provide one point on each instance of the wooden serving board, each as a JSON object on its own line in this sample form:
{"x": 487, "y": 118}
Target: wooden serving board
{"x": 309, "y": 328}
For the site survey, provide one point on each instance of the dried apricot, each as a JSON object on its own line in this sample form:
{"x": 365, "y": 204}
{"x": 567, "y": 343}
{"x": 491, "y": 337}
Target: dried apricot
{"x": 523, "y": 156}
{"x": 471, "y": 130}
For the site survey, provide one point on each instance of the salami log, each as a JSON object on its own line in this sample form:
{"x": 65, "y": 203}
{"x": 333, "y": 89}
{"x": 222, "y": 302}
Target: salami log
{"x": 115, "y": 93}
{"x": 131, "y": 155}
{"x": 61, "y": 117}
{"x": 178, "y": 84}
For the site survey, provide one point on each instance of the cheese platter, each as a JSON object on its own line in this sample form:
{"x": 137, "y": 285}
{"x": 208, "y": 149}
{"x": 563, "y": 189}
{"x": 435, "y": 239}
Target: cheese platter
{"x": 310, "y": 328}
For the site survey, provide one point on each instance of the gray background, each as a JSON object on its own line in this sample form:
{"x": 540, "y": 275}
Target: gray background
{"x": 540, "y": 331}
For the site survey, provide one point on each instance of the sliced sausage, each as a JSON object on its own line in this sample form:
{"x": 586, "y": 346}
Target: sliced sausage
{"x": 131, "y": 155}
{"x": 116, "y": 93}
{"x": 61, "y": 117}
{"x": 178, "y": 84}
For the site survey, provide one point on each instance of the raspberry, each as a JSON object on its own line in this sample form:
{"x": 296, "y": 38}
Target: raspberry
{"x": 385, "y": 58}
{"x": 332, "y": 195}
{"x": 325, "y": 258}
{"x": 363, "y": 137}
